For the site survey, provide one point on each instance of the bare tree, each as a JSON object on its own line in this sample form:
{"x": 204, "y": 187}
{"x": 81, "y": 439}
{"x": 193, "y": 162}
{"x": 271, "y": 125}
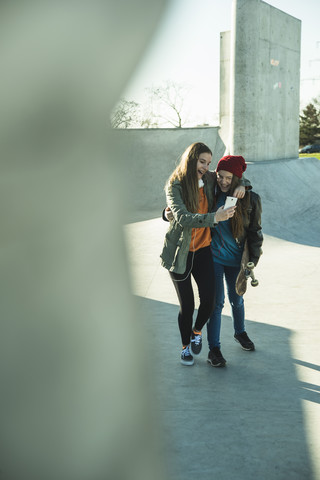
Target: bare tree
{"x": 167, "y": 101}
{"x": 130, "y": 114}
{"x": 164, "y": 106}
{"x": 126, "y": 114}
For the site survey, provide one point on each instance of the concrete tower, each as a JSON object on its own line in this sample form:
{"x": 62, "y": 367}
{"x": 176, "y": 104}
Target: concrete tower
{"x": 260, "y": 79}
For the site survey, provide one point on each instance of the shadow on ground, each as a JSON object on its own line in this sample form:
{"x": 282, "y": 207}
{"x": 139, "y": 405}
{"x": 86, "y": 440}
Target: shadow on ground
{"x": 244, "y": 421}
{"x": 310, "y": 391}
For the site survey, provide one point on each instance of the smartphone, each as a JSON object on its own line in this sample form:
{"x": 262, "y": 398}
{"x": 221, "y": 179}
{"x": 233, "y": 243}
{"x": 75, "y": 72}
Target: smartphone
{"x": 230, "y": 202}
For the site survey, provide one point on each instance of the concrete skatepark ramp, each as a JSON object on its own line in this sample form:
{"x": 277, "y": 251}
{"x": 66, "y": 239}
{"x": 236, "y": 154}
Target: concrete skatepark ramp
{"x": 259, "y": 417}
{"x": 290, "y": 198}
{"x": 75, "y": 399}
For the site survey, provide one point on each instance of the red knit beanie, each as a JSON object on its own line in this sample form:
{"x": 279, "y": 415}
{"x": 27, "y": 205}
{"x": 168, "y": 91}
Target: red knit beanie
{"x": 232, "y": 163}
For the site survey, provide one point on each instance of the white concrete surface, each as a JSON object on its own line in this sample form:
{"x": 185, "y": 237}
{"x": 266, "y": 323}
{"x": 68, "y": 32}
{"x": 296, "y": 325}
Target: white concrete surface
{"x": 259, "y": 418}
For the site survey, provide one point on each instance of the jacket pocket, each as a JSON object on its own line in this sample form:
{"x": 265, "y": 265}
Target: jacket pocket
{"x": 177, "y": 251}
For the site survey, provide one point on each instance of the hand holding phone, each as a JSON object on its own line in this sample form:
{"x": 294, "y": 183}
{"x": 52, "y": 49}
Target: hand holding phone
{"x": 230, "y": 202}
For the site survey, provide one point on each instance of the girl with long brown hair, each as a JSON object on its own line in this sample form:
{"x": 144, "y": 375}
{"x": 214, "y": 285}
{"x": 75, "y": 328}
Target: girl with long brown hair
{"x": 186, "y": 251}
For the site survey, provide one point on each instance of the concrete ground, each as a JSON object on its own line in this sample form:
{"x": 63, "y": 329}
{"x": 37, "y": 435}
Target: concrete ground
{"x": 258, "y": 418}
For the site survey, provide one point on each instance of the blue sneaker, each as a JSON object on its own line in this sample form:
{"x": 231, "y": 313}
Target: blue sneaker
{"x": 186, "y": 357}
{"x": 196, "y": 343}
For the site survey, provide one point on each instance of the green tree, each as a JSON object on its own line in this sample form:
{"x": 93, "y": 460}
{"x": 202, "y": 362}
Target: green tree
{"x": 309, "y": 125}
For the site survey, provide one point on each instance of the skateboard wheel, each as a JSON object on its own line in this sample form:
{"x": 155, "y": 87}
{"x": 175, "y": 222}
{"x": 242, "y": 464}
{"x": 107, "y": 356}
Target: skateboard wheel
{"x": 254, "y": 283}
{"x": 250, "y": 265}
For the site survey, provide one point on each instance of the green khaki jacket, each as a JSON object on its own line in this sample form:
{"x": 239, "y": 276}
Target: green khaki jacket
{"x": 178, "y": 237}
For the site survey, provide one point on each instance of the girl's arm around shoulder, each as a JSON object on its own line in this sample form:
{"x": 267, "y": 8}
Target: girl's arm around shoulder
{"x": 245, "y": 182}
{"x": 180, "y": 212}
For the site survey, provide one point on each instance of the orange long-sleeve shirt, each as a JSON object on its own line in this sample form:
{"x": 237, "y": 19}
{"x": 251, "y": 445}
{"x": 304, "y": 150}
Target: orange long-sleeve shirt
{"x": 201, "y": 237}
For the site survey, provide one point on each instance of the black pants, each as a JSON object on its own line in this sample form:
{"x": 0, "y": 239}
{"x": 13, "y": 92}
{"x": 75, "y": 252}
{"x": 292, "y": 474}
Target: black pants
{"x": 200, "y": 266}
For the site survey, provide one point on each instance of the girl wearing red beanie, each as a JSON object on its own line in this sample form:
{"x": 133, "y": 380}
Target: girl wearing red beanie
{"x": 227, "y": 246}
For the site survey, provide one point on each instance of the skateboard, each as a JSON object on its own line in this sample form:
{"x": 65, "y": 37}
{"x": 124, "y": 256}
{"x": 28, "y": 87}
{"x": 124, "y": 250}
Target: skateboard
{"x": 246, "y": 271}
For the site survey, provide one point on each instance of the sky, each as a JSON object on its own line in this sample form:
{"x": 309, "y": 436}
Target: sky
{"x": 186, "y": 50}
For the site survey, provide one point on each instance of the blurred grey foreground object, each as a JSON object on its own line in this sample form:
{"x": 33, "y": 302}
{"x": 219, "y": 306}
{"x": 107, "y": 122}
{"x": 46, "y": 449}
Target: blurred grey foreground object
{"x": 74, "y": 401}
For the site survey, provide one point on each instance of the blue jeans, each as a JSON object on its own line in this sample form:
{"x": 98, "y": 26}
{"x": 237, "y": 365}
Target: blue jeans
{"x": 236, "y": 302}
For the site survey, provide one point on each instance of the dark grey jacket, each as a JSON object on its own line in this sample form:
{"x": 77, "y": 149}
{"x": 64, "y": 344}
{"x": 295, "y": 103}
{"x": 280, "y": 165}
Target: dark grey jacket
{"x": 252, "y": 228}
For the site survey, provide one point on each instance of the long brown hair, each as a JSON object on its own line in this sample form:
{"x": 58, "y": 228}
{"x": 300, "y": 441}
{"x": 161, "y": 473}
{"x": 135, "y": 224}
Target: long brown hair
{"x": 241, "y": 213}
{"x": 186, "y": 173}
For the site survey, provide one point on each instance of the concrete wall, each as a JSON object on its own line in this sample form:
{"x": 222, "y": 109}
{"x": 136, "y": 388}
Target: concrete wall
{"x": 150, "y": 155}
{"x": 259, "y": 106}
{"x": 264, "y": 82}
{"x": 225, "y": 52}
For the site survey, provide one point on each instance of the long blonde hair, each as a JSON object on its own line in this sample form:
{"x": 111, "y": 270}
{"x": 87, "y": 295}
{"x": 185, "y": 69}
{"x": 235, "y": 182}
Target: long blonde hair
{"x": 186, "y": 174}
